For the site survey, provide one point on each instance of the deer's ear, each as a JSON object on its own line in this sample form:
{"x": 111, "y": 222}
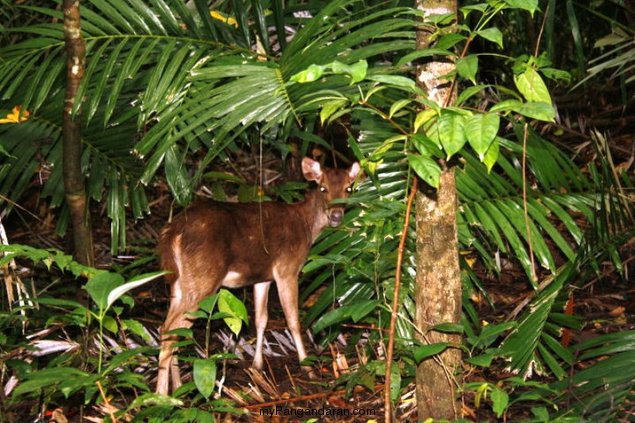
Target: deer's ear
{"x": 353, "y": 171}
{"x": 311, "y": 169}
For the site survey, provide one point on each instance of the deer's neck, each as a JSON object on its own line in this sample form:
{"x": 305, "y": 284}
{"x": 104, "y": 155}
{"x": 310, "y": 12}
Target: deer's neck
{"x": 314, "y": 212}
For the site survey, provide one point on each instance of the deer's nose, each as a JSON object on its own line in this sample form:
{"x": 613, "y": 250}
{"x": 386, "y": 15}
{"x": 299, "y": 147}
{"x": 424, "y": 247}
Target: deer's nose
{"x": 336, "y": 217}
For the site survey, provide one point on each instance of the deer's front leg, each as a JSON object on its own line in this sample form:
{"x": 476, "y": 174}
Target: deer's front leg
{"x": 288, "y": 292}
{"x": 261, "y": 296}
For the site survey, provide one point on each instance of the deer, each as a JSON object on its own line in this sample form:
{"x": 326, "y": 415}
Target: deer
{"x": 220, "y": 244}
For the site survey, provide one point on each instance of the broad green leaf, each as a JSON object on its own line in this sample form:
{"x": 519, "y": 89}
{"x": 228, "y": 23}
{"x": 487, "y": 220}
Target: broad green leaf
{"x": 483, "y": 360}
{"x": 229, "y": 303}
{"x": 71, "y": 385}
{"x": 204, "y": 375}
{"x": 126, "y": 356}
{"x": 312, "y": 73}
{"x": 385, "y": 146}
{"x": 356, "y": 71}
{"x": 532, "y": 109}
{"x": 426, "y": 168}
{"x": 506, "y": 105}
{"x": 423, "y": 117}
{"x": 500, "y": 401}
{"x": 467, "y": 67}
{"x": 440, "y": 18}
{"x": 60, "y": 302}
{"x": 208, "y": 303}
{"x": 448, "y": 41}
{"x": 427, "y": 351}
{"x": 110, "y": 324}
{"x": 532, "y": 87}
{"x": 556, "y": 74}
{"x": 137, "y": 328}
{"x": 529, "y": 5}
{"x": 100, "y": 286}
{"x": 451, "y": 132}
{"x": 481, "y": 7}
{"x": 492, "y": 34}
{"x": 481, "y": 130}
{"x": 541, "y": 413}
{"x": 426, "y": 146}
{"x": 537, "y": 110}
{"x": 469, "y": 92}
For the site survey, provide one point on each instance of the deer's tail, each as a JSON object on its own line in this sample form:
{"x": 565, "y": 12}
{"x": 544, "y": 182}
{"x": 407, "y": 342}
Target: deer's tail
{"x": 166, "y": 253}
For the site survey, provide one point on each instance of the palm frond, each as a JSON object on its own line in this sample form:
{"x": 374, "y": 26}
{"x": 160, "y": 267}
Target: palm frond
{"x": 532, "y": 345}
{"x": 603, "y": 389}
{"x": 163, "y": 79}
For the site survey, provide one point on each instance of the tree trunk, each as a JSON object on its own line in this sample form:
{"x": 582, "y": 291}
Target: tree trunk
{"x": 438, "y": 298}
{"x": 74, "y": 184}
{"x": 438, "y": 280}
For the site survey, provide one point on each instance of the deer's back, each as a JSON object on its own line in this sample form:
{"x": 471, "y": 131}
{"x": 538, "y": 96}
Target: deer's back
{"x": 212, "y": 239}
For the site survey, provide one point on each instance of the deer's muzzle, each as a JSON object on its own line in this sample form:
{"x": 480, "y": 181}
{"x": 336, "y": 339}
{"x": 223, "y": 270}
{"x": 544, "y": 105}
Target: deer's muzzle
{"x": 335, "y": 217}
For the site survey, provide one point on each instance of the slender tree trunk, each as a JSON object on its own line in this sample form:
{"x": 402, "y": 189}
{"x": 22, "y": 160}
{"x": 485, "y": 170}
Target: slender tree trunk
{"x": 438, "y": 298}
{"x": 74, "y": 184}
{"x": 438, "y": 280}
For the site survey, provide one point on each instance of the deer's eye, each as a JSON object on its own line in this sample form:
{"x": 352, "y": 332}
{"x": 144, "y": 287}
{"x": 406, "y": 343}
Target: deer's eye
{"x": 323, "y": 189}
{"x": 349, "y": 189}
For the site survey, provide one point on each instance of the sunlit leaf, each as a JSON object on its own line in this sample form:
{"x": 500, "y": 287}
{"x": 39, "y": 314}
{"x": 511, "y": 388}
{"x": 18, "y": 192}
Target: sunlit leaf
{"x": 451, "y": 132}
{"x": 423, "y": 117}
{"x": 426, "y": 168}
{"x": 312, "y": 73}
{"x": 532, "y": 87}
{"x": 481, "y": 130}
{"x": 230, "y": 304}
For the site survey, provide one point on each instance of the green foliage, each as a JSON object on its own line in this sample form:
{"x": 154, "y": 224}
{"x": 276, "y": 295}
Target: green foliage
{"x": 234, "y": 308}
{"x": 170, "y": 88}
{"x": 204, "y": 374}
{"x": 114, "y": 367}
{"x": 139, "y": 55}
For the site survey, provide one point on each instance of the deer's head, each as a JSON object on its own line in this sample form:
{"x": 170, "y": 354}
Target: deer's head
{"x": 332, "y": 184}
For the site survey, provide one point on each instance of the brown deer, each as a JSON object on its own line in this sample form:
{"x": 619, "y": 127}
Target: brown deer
{"x": 213, "y": 244}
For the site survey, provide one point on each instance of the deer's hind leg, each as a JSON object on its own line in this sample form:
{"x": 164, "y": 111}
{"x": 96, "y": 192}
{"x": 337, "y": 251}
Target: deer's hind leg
{"x": 176, "y": 318}
{"x": 187, "y": 292}
{"x": 261, "y": 313}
